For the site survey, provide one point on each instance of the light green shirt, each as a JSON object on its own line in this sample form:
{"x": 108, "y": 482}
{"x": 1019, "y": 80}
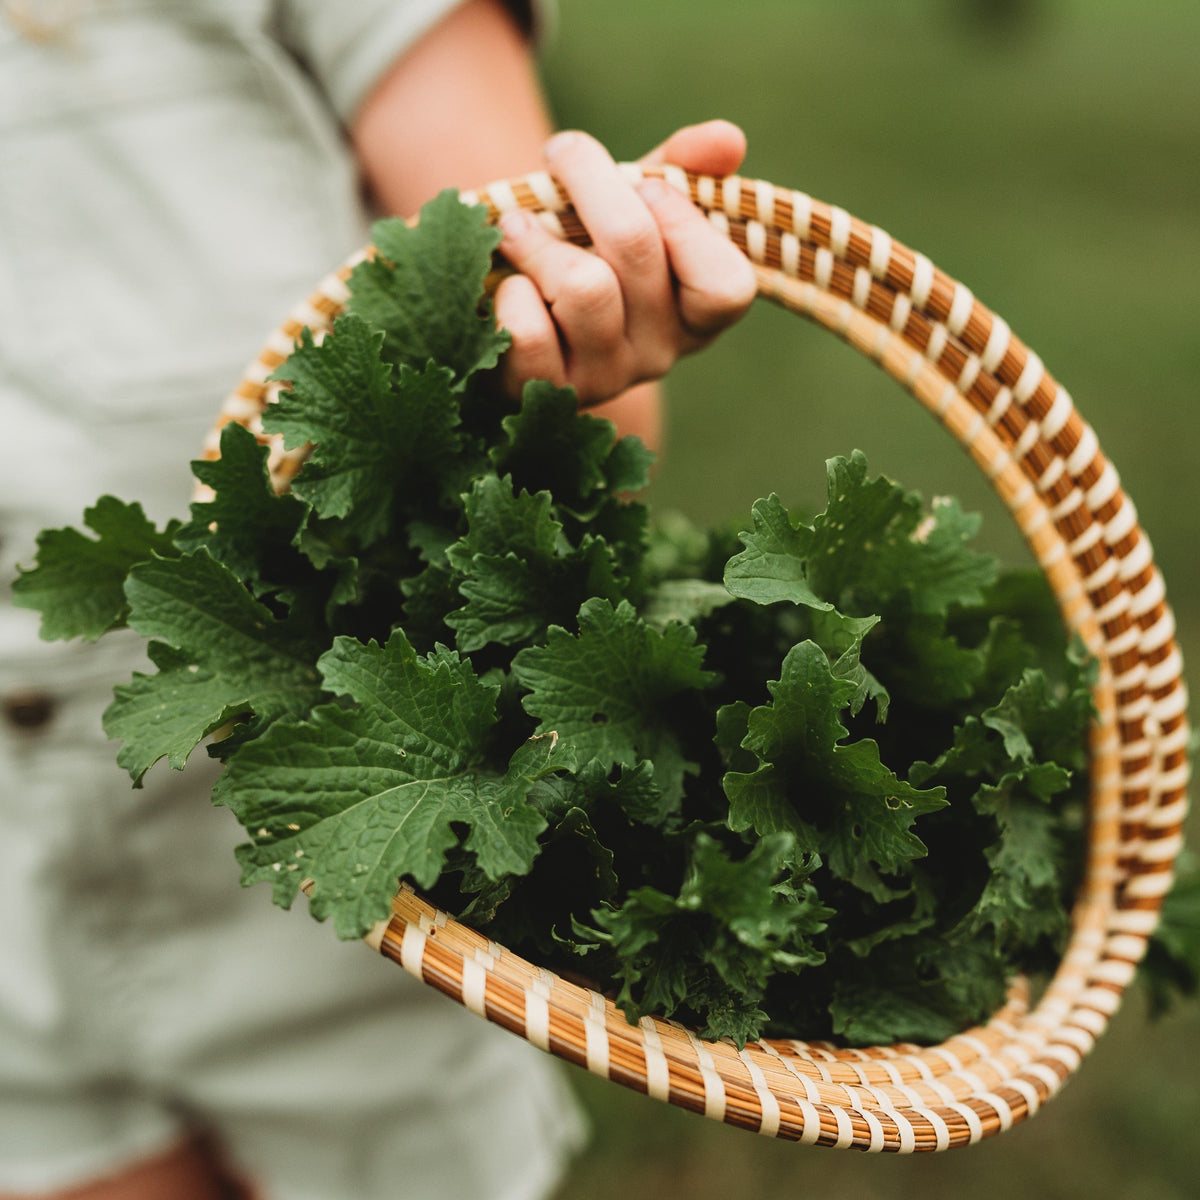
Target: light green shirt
{"x": 173, "y": 178}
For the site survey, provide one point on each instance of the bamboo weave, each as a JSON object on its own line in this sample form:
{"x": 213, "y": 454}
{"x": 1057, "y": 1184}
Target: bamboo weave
{"x": 964, "y": 365}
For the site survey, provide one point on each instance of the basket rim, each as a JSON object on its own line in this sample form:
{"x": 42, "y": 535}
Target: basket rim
{"x": 962, "y": 363}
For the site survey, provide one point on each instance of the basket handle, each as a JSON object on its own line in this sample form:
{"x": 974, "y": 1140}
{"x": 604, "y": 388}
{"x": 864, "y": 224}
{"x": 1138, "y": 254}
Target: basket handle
{"x": 963, "y": 364}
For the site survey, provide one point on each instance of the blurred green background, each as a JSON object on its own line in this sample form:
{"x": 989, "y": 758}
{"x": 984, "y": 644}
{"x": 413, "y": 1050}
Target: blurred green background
{"x": 1047, "y": 153}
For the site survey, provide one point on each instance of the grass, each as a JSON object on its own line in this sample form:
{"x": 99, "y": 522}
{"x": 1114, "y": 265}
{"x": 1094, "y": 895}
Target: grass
{"x": 1044, "y": 152}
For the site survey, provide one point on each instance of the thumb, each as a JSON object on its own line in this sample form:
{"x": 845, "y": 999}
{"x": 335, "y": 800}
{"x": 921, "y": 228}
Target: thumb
{"x": 710, "y": 148}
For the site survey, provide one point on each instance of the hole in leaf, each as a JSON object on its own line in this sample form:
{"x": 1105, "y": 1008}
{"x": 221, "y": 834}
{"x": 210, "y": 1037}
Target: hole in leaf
{"x": 599, "y": 718}
{"x": 856, "y": 831}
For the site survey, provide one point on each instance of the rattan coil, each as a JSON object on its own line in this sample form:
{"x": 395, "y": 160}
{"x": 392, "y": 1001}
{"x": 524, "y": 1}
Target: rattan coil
{"x": 963, "y": 364}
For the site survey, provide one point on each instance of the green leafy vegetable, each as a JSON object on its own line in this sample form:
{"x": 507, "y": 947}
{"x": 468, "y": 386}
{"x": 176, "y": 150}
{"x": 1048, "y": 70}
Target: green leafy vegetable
{"x": 825, "y": 778}
{"x": 78, "y": 584}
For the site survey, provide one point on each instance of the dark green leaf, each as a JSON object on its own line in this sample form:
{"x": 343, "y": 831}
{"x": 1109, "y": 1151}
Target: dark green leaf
{"x": 233, "y": 656}
{"x": 357, "y": 797}
{"x": 424, "y": 286}
{"x": 381, "y": 437}
{"x": 609, "y": 690}
{"x": 246, "y": 525}
{"x": 837, "y": 798}
{"x": 552, "y": 447}
{"x": 78, "y": 582}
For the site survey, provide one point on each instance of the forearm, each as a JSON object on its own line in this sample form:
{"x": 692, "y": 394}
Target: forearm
{"x": 461, "y": 108}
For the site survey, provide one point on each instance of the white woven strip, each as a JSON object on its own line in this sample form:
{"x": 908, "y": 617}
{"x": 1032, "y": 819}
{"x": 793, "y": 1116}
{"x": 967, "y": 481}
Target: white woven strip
{"x": 546, "y": 191}
{"x": 633, "y": 172}
{"x": 840, "y": 224}
{"x": 658, "y": 1074}
{"x": 997, "y": 346}
{"x": 881, "y": 252}
{"x": 502, "y": 196}
{"x": 876, "y": 1141}
{"x": 1133, "y": 921}
{"x": 714, "y": 1085}
{"x": 1144, "y": 886}
{"x": 1114, "y": 971}
{"x": 802, "y": 215}
{"x": 537, "y": 1015}
{"x": 1132, "y": 565}
{"x": 1047, "y": 1075}
{"x": 969, "y": 374}
{"x": 1172, "y": 705}
{"x": 1162, "y": 673}
{"x": 1031, "y": 374}
{"x": 941, "y": 1132}
{"x": 1083, "y": 454}
{"x": 474, "y": 985}
{"x": 1160, "y": 633}
{"x": 769, "y": 1126}
{"x": 1091, "y": 536}
{"x": 922, "y": 282}
{"x": 1122, "y": 523}
{"x": 677, "y": 178}
{"x": 595, "y": 1033}
{"x": 1127, "y": 946}
{"x": 764, "y": 202}
{"x": 974, "y": 1124}
{"x": 811, "y": 1092}
{"x": 756, "y": 241}
{"x": 1105, "y": 488}
{"x": 939, "y": 338}
{"x": 845, "y": 1131}
{"x": 1093, "y": 1022}
{"x": 1176, "y": 779}
{"x": 1067, "y": 505}
{"x": 1001, "y": 1106}
{"x": 999, "y": 406}
{"x": 1058, "y": 415}
{"x": 412, "y": 950}
{"x": 960, "y": 313}
{"x": 731, "y": 197}
{"x": 1027, "y": 440}
{"x": 862, "y": 287}
{"x": 906, "y": 1132}
{"x": 1033, "y": 1097}
{"x": 823, "y": 268}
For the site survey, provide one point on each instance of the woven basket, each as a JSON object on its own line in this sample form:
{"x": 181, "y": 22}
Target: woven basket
{"x": 962, "y": 363}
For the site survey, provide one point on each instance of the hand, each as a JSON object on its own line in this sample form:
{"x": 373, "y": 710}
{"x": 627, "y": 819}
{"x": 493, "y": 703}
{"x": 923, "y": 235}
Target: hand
{"x": 661, "y": 282}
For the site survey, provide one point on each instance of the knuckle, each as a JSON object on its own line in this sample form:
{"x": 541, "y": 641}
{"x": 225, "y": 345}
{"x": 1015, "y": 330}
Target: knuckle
{"x": 724, "y": 298}
{"x": 656, "y": 364}
{"x": 589, "y": 285}
{"x": 637, "y": 244}
{"x": 736, "y": 287}
{"x": 604, "y": 377}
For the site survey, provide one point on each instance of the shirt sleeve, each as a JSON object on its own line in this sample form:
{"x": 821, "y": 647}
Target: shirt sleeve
{"x": 347, "y": 46}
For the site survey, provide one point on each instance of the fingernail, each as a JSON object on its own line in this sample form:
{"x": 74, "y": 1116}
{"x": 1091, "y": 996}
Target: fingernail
{"x": 653, "y": 191}
{"x": 515, "y": 223}
{"x": 559, "y": 142}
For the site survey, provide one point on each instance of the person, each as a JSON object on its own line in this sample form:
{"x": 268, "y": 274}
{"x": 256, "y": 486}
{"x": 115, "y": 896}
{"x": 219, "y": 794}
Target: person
{"x": 172, "y": 179}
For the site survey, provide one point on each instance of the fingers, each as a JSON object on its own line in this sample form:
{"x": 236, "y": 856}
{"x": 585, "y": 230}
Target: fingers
{"x": 660, "y": 281}
{"x": 623, "y": 231}
{"x": 715, "y": 283}
{"x": 536, "y": 352}
{"x": 581, "y": 330}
